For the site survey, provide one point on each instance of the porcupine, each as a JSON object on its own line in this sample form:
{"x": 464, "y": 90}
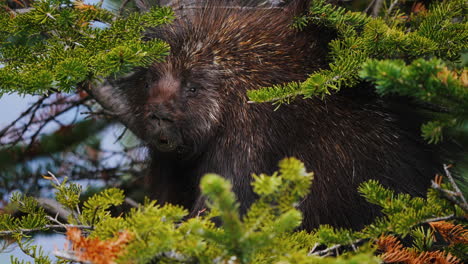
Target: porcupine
{"x": 195, "y": 117}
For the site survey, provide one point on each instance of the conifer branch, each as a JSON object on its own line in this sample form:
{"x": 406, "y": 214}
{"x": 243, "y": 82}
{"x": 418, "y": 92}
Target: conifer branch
{"x": 106, "y": 96}
{"x": 335, "y": 249}
{"x": 69, "y": 255}
{"x": 376, "y": 6}
{"x": 54, "y": 208}
{"x": 122, "y": 6}
{"x": 392, "y": 5}
{"x": 456, "y": 196}
{"x": 454, "y": 234}
{"x": 437, "y": 219}
{"x": 395, "y": 252}
{"x": 369, "y": 6}
{"x": 454, "y": 184}
{"x": 231, "y": 7}
{"x": 61, "y": 227}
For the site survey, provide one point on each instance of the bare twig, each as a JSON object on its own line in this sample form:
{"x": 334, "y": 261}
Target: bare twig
{"x": 456, "y": 196}
{"x": 230, "y": 7}
{"x": 23, "y": 10}
{"x": 449, "y": 197}
{"x": 131, "y": 202}
{"x": 392, "y": 5}
{"x": 328, "y": 251}
{"x": 36, "y": 118}
{"x": 54, "y": 208}
{"x": 437, "y": 219}
{"x": 371, "y": 4}
{"x": 122, "y": 6}
{"x": 121, "y": 135}
{"x": 51, "y": 118}
{"x": 454, "y": 184}
{"x": 51, "y": 227}
{"x": 69, "y": 255}
{"x": 376, "y": 7}
{"x": 99, "y": 4}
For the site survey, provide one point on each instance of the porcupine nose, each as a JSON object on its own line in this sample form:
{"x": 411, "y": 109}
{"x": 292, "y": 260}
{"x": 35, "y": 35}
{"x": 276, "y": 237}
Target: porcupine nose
{"x": 162, "y": 127}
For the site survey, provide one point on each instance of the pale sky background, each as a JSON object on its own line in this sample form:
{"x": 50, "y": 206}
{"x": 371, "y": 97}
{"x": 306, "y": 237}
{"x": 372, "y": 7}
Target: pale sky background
{"x": 11, "y": 106}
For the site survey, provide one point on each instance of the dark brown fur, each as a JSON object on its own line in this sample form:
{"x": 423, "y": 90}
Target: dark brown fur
{"x": 222, "y": 53}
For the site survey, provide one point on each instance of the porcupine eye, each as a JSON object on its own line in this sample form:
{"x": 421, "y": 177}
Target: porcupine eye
{"x": 192, "y": 89}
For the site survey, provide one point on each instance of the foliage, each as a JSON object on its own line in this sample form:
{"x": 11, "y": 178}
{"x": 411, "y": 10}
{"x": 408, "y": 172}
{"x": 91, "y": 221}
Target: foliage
{"x": 60, "y": 44}
{"x": 394, "y": 252}
{"x": 428, "y": 80}
{"x": 88, "y": 249}
{"x": 55, "y": 47}
{"x": 376, "y": 49}
{"x": 265, "y": 234}
{"x": 402, "y": 212}
{"x": 63, "y": 45}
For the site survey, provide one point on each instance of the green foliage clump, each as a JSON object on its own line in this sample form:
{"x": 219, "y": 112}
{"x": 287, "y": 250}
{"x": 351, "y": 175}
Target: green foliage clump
{"x": 267, "y": 233}
{"x": 428, "y": 80}
{"x": 34, "y": 218}
{"x": 378, "y": 49}
{"x": 57, "y": 45}
{"x": 96, "y": 207}
{"x": 401, "y": 211}
{"x": 346, "y": 53}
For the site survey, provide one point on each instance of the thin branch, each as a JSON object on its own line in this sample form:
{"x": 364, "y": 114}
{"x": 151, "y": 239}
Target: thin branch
{"x": 122, "y": 6}
{"x": 335, "y": 248}
{"x": 51, "y": 118}
{"x": 449, "y": 197}
{"x": 371, "y": 4}
{"x": 354, "y": 245}
{"x": 69, "y": 255}
{"x": 378, "y": 5}
{"x": 104, "y": 93}
{"x": 456, "y": 196}
{"x": 23, "y": 10}
{"x": 437, "y": 219}
{"x": 131, "y": 202}
{"x": 454, "y": 184}
{"x": 34, "y": 106}
{"x": 51, "y": 227}
{"x": 230, "y": 7}
{"x": 281, "y": 98}
{"x": 54, "y": 208}
{"x": 121, "y": 135}
{"x": 392, "y": 5}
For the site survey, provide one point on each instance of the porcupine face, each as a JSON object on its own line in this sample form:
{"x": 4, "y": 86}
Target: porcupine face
{"x": 182, "y": 108}
{"x": 216, "y": 56}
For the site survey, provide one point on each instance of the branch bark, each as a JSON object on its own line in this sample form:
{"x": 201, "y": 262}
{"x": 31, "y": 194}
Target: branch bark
{"x": 52, "y": 227}
{"x": 54, "y": 208}
{"x": 107, "y": 96}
